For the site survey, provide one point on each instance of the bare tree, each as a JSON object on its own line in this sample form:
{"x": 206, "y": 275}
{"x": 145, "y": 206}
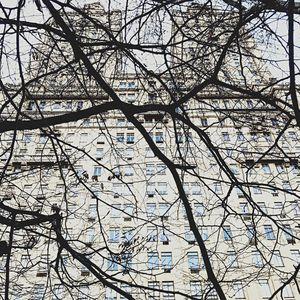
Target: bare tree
{"x": 149, "y": 148}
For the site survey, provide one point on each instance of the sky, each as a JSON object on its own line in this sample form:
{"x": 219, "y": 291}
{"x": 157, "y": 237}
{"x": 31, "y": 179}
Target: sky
{"x": 274, "y": 51}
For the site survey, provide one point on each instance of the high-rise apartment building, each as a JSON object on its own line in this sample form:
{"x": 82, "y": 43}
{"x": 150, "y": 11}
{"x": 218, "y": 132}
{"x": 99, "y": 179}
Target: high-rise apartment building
{"x": 123, "y": 216}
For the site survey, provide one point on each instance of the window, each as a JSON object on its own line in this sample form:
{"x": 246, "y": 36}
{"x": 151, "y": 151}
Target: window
{"x": 204, "y": 122}
{"x": 114, "y": 234}
{"x": 90, "y": 234}
{"x": 38, "y": 291}
{"x": 244, "y": 208}
{"x": 238, "y": 290}
{"x": 126, "y": 261}
{"x": 63, "y": 262}
{"x": 99, "y": 153}
{"x": 166, "y": 260}
{"x": 128, "y": 170}
{"x": 27, "y": 138}
{"x": 162, "y": 188}
{"x": 266, "y": 169}
{"x": 267, "y": 137}
{"x": 97, "y": 171}
{"x": 150, "y": 169}
{"x": 292, "y": 136}
{"x": 269, "y": 233}
{"x": 295, "y": 168}
{"x": 153, "y": 262}
{"x": 112, "y": 263}
{"x": 159, "y": 137}
{"x": 43, "y": 138}
{"x": 126, "y": 288}
{"x": 254, "y": 136}
{"x": 195, "y": 287}
{"x": 115, "y": 211}
{"x": 234, "y": 169}
{"x": 249, "y": 104}
{"x": 150, "y": 188}
{"x": 286, "y": 186}
{"x": 278, "y": 208}
{"x": 257, "y": 259}
{"x": 56, "y": 105}
{"x": 79, "y": 105}
{"x": 127, "y": 234}
{"x": 149, "y": 152}
{"x": 153, "y": 295}
{"x": 186, "y": 187}
{"x": 43, "y": 264}
{"x": 3, "y": 262}
{"x": 295, "y": 255}
{"x": 196, "y": 189}
{"x": 120, "y": 137}
{"x": 151, "y": 233}
{"x": 188, "y": 234}
{"x": 240, "y": 136}
{"x": 193, "y": 260}
{"x": 128, "y": 210}
{"x": 287, "y": 291}
{"x": 256, "y": 189}
{"x": 264, "y": 288}
{"x": 130, "y": 138}
{"x": 129, "y": 153}
{"x": 121, "y": 122}
{"x": 131, "y": 85}
{"x": 161, "y": 169}
{"x": 122, "y": 85}
{"x": 288, "y": 233}
{"x": 226, "y": 136}
{"x": 279, "y": 168}
{"x": 58, "y": 292}
{"x": 210, "y": 292}
{"x": 164, "y": 235}
{"x": 110, "y": 294}
{"x": 25, "y": 260}
{"x": 163, "y": 209}
{"x": 232, "y": 259}
{"x": 151, "y": 209}
{"x": 227, "y": 233}
{"x": 168, "y": 286}
{"x": 262, "y": 207}
{"x": 42, "y": 105}
{"x": 92, "y": 211}
{"x": 276, "y": 259}
{"x": 199, "y": 209}
{"x": 218, "y": 188}
{"x": 204, "y": 233}
{"x": 131, "y": 98}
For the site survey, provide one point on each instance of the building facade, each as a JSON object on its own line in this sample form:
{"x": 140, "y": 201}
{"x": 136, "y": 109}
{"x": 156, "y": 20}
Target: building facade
{"x": 122, "y": 216}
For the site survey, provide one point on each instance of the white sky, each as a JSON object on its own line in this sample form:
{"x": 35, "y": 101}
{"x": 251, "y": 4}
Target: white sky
{"x": 32, "y": 14}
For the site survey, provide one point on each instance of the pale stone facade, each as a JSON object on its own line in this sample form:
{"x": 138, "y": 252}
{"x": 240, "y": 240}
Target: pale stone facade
{"x": 121, "y": 208}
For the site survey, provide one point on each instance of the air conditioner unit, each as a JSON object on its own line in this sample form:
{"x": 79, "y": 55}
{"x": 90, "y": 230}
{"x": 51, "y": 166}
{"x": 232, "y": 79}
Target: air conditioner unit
{"x": 291, "y": 241}
{"x": 85, "y": 272}
{"x": 252, "y": 242}
{"x": 41, "y": 273}
{"x": 194, "y": 270}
